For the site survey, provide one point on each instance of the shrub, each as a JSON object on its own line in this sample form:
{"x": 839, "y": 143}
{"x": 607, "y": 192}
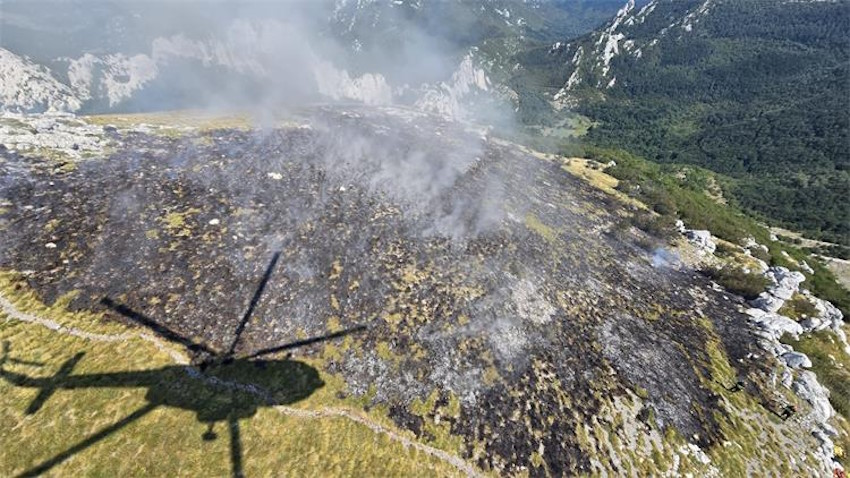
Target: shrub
{"x": 760, "y": 253}
{"x": 797, "y": 307}
{"x": 747, "y": 285}
{"x": 662, "y": 227}
{"x": 725, "y": 250}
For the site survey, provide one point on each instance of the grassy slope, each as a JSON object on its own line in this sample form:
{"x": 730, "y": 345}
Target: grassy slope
{"x": 682, "y": 191}
{"x": 168, "y": 441}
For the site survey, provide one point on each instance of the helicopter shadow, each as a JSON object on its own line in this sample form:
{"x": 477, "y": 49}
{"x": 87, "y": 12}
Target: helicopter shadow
{"x": 224, "y": 393}
{"x": 223, "y": 388}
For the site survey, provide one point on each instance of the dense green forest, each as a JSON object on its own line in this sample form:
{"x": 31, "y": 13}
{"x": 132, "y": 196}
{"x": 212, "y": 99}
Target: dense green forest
{"x": 758, "y": 90}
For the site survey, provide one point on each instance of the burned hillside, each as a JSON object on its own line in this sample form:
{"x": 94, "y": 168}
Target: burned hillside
{"x": 506, "y": 301}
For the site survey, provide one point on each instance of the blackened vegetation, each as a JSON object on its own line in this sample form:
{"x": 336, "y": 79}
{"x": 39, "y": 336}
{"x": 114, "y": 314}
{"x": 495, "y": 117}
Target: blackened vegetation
{"x": 487, "y": 275}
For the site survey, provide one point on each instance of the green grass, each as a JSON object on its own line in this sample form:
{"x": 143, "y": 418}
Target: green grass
{"x": 667, "y": 190}
{"x": 798, "y": 307}
{"x": 747, "y": 285}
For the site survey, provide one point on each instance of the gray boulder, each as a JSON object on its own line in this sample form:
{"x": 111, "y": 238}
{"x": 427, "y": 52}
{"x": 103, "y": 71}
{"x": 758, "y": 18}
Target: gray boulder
{"x": 806, "y": 386}
{"x": 701, "y": 239}
{"x": 768, "y": 302}
{"x": 786, "y": 283}
{"x": 774, "y": 323}
{"x": 796, "y": 360}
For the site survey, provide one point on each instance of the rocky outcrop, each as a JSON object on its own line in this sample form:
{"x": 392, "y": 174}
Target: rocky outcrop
{"x": 785, "y": 284}
{"x": 27, "y": 87}
{"x": 448, "y": 98}
{"x": 796, "y": 360}
{"x": 774, "y": 324}
{"x": 701, "y": 239}
{"x": 61, "y": 133}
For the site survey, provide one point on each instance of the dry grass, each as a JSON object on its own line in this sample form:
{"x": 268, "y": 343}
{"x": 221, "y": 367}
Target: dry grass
{"x": 168, "y": 442}
{"x": 598, "y": 178}
{"x": 841, "y": 269}
{"x": 175, "y": 120}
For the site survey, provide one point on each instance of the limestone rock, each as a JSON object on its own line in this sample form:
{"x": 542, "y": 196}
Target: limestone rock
{"x": 767, "y": 302}
{"x": 796, "y": 360}
{"x": 701, "y": 239}
{"x": 774, "y": 323}
{"x": 785, "y": 284}
{"x": 806, "y": 386}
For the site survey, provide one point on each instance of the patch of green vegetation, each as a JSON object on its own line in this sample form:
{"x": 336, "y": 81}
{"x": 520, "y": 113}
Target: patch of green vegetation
{"x": 831, "y": 364}
{"x": 757, "y": 92}
{"x": 824, "y": 285}
{"x": 659, "y": 226}
{"x": 664, "y": 188}
{"x": 176, "y": 222}
{"x": 798, "y": 308}
{"x": 544, "y": 231}
{"x": 832, "y": 250}
{"x": 726, "y": 250}
{"x": 745, "y": 284}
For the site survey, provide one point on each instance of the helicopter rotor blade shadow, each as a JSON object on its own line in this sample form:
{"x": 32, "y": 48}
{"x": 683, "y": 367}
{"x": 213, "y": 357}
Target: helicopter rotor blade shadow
{"x": 235, "y": 447}
{"x": 45, "y": 393}
{"x": 26, "y": 362}
{"x": 47, "y": 465}
{"x": 254, "y": 301}
{"x": 302, "y": 343}
{"x": 159, "y": 329}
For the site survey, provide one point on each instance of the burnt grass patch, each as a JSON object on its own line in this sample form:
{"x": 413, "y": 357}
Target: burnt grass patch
{"x": 501, "y": 286}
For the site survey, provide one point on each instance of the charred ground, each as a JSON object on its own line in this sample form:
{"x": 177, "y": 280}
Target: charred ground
{"x": 509, "y": 303}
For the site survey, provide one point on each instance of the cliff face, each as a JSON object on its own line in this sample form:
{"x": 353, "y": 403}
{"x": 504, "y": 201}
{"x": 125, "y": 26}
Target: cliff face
{"x": 512, "y": 309}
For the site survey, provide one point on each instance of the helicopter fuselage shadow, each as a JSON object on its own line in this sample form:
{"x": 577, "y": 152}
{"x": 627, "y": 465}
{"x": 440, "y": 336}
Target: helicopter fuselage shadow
{"x": 223, "y": 393}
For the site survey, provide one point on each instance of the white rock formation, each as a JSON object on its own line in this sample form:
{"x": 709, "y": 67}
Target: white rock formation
{"x": 796, "y": 360}
{"x": 807, "y": 387}
{"x": 701, "y": 239}
{"x": 27, "y": 87}
{"x": 775, "y": 324}
{"x": 57, "y": 132}
{"x": 447, "y": 98}
{"x": 370, "y": 89}
{"x": 784, "y": 284}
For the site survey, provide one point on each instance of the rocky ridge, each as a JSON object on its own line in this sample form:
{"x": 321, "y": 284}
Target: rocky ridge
{"x": 784, "y": 284}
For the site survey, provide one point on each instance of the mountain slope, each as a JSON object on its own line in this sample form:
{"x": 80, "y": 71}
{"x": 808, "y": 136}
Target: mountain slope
{"x": 131, "y": 57}
{"x": 753, "y": 89}
{"x": 516, "y": 319}
{"x": 26, "y": 86}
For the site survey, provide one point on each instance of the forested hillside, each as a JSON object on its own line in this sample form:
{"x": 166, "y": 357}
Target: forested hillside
{"x": 758, "y": 90}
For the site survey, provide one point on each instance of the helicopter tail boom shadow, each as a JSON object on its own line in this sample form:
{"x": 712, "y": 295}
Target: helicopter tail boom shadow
{"x": 235, "y": 447}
